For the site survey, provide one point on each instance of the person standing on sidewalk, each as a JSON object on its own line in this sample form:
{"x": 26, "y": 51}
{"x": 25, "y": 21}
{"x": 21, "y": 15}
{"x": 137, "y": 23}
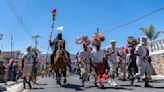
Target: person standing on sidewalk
{"x": 112, "y": 52}
{"x": 2, "y": 72}
{"x": 9, "y": 68}
{"x": 15, "y": 71}
{"x": 142, "y": 61}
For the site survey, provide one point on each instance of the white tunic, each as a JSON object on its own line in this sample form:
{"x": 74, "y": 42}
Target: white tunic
{"x": 142, "y": 63}
{"x": 27, "y": 70}
{"x": 142, "y": 51}
{"x": 85, "y": 56}
{"x": 98, "y": 56}
{"x": 113, "y": 57}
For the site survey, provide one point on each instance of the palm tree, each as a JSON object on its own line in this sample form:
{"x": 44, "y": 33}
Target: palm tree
{"x": 150, "y": 33}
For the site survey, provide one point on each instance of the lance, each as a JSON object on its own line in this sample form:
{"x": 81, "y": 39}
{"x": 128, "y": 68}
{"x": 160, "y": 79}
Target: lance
{"x": 51, "y": 30}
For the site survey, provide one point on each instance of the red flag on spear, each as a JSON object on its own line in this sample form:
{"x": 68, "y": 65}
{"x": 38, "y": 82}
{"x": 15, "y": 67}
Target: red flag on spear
{"x": 53, "y": 19}
{"x": 53, "y": 14}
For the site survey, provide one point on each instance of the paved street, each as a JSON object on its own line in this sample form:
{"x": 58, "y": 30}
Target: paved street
{"x": 73, "y": 85}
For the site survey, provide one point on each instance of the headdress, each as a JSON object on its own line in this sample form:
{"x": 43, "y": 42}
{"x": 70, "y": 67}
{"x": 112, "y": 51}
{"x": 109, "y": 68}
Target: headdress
{"x": 83, "y": 40}
{"x": 97, "y": 39}
{"x": 132, "y": 41}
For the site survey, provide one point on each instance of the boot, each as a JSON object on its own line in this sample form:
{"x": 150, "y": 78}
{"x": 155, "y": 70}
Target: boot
{"x": 147, "y": 85}
{"x": 24, "y": 85}
{"x": 147, "y": 82}
{"x": 132, "y": 81}
{"x": 96, "y": 84}
{"x": 65, "y": 81}
{"x": 82, "y": 82}
{"x": 29, "y": 85}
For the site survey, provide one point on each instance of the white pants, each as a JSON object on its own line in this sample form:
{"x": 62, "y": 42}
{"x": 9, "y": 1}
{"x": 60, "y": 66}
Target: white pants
{"x": 113, "y": 67}
{"x": 123, "y": 70}
{"x": 85, "y": 71}
{"x": 144, "y": 67}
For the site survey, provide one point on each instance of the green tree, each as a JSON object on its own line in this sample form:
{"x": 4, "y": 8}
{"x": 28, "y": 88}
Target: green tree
{"x": 150, "y": 32}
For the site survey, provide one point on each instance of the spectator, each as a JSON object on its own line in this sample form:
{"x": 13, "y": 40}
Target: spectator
{"x": 2, "y": 71}
{"x": 15, "y": 70}
{"x": 9, "y": 68}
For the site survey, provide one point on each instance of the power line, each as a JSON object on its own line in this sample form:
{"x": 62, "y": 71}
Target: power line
{"x": 18, "y": 16}
{"x": 135, "y": 20}
{"x": 32, "y": 16}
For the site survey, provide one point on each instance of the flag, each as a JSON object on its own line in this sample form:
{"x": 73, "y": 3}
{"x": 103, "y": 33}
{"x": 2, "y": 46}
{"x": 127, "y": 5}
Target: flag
{"x": 53, "y": 11}
{"x": 60, "y": 28}
{"x": 53, "y": 14}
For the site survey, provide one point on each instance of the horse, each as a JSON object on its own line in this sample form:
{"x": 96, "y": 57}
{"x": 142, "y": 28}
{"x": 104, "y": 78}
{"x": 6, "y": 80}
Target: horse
{"x": 61, "y": 61}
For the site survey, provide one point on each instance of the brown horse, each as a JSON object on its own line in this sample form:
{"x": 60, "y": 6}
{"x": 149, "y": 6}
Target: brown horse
{"x": 61, "y": 60}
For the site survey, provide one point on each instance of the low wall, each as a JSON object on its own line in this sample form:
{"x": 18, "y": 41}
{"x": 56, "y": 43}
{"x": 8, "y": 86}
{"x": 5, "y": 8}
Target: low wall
{"x": 158, "y": 63}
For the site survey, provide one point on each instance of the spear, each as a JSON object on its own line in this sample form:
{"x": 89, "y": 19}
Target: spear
{"x": 51, "y": 30}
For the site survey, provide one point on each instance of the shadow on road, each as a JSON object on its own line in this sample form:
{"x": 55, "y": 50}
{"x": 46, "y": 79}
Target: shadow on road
{"x": 73, "y": 86}
{"x": 119, "y": 88}
{"x": 159, "y": 87}
{"x": 130, "y": 85}
{"x": 43, "y": 84}
{"x": 37, "y": 88}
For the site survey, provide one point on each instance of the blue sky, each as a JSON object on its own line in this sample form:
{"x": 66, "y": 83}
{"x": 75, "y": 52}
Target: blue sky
{"x": 79, "y": 17}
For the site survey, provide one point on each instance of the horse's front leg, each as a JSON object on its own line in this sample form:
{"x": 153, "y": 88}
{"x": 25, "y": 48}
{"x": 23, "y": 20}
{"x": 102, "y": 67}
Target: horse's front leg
{"x": 59, "y": 77}
{"x": 65, "y": 75}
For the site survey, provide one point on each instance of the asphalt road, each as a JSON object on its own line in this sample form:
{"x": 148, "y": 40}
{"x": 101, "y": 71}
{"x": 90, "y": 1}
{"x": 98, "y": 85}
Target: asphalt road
{"x": 74, "y": 85}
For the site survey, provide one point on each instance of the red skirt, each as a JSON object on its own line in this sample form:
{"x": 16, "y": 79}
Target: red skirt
{"x": 100, "y": 71}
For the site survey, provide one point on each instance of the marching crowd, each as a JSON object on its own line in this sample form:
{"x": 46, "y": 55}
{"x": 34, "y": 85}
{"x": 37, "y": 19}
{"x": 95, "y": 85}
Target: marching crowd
{"x": 132, "y": 60}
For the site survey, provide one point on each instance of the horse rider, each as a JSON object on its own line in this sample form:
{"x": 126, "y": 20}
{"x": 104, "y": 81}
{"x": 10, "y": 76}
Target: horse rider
{"x": 59, "y": 44}
{"x": 54, "y": 46}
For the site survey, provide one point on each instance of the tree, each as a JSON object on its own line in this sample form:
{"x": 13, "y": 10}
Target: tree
{"x": 150, "y": 32}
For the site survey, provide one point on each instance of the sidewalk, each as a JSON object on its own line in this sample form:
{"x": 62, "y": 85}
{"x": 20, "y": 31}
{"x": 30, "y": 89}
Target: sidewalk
{"x": 10, "y": 85}
{"x": 157, "y": 77}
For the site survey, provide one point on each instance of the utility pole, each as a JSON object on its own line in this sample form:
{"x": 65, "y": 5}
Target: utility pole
{"x": 12, "y": 36}
{"x": 36, "y": 40}
{"x": 1, "y": 37}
